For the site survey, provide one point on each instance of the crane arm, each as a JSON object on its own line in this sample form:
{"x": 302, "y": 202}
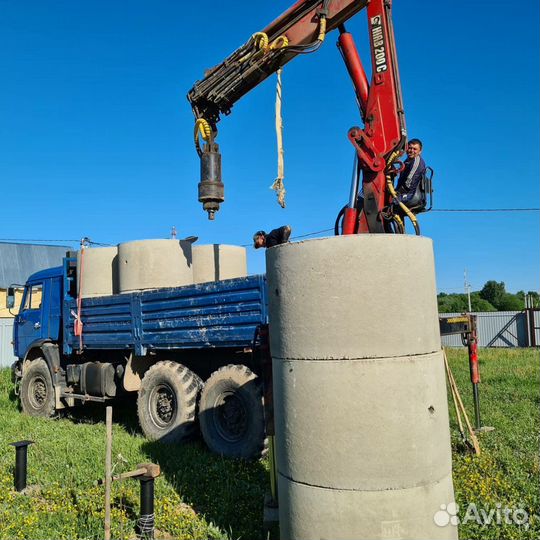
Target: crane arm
{"x": 302, "y": 29}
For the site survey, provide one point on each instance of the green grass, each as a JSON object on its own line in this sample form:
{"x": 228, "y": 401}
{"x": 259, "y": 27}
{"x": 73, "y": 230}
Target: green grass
{"x": 200, "y": 495}
{"x": 507, "y": 472}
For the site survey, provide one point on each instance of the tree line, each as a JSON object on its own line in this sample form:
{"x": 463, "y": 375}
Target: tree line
{"x": 492, "y": 297}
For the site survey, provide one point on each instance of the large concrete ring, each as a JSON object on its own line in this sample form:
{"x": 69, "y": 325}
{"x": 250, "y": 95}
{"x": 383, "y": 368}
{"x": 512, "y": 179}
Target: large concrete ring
{"x": 361, "y": 415}
{"x": 215, "y": 262}
{"x": 99, "y": 272}
{"x": 151, "y": 264}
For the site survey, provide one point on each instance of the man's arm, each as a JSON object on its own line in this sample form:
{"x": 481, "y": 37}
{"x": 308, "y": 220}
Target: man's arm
{"x": 285, "y": 233}
{"x": 412, "y": 172}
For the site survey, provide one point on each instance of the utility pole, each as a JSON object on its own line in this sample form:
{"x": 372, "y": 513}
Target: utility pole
{"x": 467, "y": 286}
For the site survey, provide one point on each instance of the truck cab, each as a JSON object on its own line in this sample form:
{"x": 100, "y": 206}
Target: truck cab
{"x": 38, "y": 320}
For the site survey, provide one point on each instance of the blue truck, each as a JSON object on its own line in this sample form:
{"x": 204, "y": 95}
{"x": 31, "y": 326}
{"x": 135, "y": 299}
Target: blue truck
{"x": 190, "y": 354}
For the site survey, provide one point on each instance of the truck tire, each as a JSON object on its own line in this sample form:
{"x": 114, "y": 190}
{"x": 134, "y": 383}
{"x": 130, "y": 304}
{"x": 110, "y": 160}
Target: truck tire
{"x": 37, "y": 390}
{"x": 231, "y": 413}
{"x": 167, "y": 402}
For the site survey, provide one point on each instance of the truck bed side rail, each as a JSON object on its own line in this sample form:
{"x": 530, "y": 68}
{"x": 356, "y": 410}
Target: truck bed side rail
{"x": 207, "y": 315}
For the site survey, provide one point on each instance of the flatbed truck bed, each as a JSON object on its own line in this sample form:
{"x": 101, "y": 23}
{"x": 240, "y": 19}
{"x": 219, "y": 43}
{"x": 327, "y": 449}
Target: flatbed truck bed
{"x": 190, "y": 354}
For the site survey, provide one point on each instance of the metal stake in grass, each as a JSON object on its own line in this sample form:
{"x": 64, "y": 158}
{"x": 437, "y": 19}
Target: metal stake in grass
{"x": 21, "y": 460}
{"x": 108, "y": 472}
{"x": 146, "y": 473}
{"x": 145, "y": 525}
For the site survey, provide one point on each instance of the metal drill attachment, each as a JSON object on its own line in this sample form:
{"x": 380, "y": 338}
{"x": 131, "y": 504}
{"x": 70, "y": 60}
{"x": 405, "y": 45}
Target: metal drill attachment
{"x": 211, "y": 188}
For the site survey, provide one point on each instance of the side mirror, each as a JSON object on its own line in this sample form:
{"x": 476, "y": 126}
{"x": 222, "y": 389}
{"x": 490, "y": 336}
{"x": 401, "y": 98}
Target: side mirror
{"x": 10, "y": 297}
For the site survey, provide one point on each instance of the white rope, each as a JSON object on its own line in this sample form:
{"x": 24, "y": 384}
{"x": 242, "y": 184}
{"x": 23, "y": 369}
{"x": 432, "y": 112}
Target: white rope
{"x": 278, "y": 186}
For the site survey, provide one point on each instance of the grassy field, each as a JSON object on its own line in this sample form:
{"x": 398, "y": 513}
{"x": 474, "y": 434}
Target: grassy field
{"x": 507, "y": 472}
{"x": 200, "y": 495}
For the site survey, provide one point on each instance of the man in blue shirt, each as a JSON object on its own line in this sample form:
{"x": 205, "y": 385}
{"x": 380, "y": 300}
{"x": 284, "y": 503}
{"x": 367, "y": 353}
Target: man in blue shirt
{"x": 411, "y": 174}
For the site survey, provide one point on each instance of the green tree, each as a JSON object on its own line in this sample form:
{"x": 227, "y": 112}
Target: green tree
{"x": 451, "y": 303}
{"x": 492, "y": 297}
{"x": 479, "y": 304}
{"x": 494, "y": 293}
{"x": 533, "y": 294}
{"x": 511, "y": 302}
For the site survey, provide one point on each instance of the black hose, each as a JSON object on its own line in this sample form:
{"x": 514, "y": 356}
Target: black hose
{"x": 338, "y": 219}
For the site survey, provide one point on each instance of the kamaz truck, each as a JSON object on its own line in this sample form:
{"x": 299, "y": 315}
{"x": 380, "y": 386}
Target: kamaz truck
{"x": 190, "y": 354}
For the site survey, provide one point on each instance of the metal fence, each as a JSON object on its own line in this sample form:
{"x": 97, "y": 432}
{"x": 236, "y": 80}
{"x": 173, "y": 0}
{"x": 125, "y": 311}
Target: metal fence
{"x": 495, "y": 329}
{"x": 6, "y": 348}
{"x": 501, "y": 329}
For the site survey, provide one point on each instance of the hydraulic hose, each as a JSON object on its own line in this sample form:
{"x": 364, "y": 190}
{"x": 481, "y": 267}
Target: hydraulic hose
{"x": 261, "y": 40}
{"x": 202, "y": 129}
{"x": 339, "y": 217}
{"x": 400, "y": 226}
{"x": 408, "y": 213}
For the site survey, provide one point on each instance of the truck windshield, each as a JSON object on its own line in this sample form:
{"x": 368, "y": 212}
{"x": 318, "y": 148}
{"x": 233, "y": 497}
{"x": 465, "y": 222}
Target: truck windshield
{"x": 33, "y": 297}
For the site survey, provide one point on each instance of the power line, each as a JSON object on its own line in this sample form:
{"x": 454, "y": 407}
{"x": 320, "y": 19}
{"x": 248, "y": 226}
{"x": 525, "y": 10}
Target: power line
{"x": 36, "y": 240}
{"x": 100, "y": 244}
{"x": 485, "y": 210}
{"x": 301, "y": 235}
{"x": 26, "y": 240}
{"x": 40, "y": 240}
{"x": 432, "y": 210}
{"x": 312, "y": 233}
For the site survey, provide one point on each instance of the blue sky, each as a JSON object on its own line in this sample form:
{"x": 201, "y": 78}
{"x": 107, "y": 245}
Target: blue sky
{"x": 96, "y": 133}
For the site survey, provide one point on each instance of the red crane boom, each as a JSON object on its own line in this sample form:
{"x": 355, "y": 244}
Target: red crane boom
{"x": 302, "y": 29}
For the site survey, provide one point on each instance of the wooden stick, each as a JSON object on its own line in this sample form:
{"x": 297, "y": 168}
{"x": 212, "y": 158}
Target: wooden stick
{"x": 122, "y": 476}
{"x": 454, "y": 399}
{"x": 463, "y": 410}
{"x": 469, "y": 427}
{"x": 108, "y": 467}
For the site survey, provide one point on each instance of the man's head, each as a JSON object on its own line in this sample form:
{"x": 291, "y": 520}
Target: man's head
{"x": 414, "y": 148}
{"x": 259, "y": 239}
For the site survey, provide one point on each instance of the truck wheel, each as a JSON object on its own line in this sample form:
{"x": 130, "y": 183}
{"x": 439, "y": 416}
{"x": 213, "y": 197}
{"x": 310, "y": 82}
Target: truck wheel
{"x": 167, "y": 402}
{"x": 231, "y": 413}
{"x": 37, "y": 390}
